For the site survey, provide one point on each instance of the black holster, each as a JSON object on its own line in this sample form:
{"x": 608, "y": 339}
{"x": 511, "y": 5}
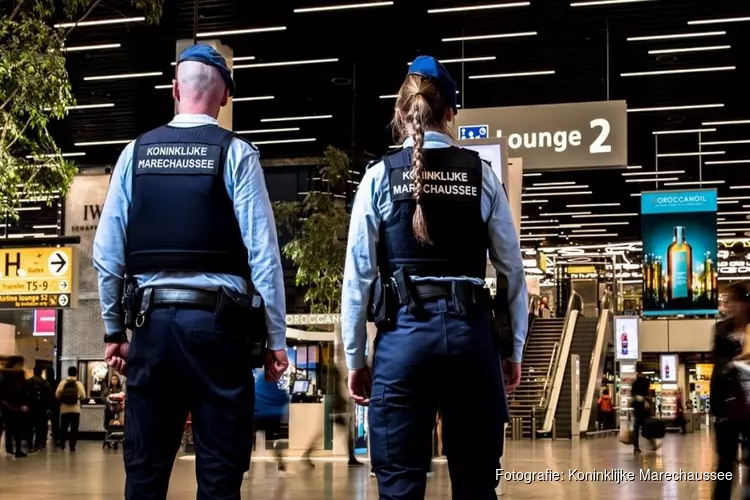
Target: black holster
{"x": 383, "y": 306}
{"x": 239, "y": 312}
{"x": 128, "y": 302}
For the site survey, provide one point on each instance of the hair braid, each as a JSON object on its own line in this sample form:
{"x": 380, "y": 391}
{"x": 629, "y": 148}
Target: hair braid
{"x": 416, "y": 118}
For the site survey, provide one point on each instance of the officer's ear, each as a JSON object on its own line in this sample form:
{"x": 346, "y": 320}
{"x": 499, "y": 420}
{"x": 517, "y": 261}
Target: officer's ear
{"x": 175, "y": 91}
{"x": 225, "y": 98}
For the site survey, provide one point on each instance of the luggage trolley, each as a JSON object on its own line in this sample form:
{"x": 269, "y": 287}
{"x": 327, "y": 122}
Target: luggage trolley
{"x": 115, "y": 424}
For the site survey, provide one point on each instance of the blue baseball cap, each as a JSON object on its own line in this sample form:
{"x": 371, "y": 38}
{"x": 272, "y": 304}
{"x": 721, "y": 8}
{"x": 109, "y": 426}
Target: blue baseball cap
{"x": 208, "y": 55}
{"x": 429, "y": 67}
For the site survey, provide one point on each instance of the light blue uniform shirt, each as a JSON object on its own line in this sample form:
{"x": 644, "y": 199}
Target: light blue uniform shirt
{"x": 246, "y": 187}
{"x": 372, "y": 206}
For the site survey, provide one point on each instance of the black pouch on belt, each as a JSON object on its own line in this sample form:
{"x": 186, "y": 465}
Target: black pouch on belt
{"x": 239, "y": 312}
{"x": 383, "y": 305}
{"x": 501, "y": 325}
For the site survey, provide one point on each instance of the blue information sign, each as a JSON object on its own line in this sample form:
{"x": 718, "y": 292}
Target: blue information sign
{"x": 474, "y": 132}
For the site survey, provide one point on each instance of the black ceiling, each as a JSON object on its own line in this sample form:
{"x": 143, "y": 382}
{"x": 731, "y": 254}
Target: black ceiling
{"x": 587, "y": 48}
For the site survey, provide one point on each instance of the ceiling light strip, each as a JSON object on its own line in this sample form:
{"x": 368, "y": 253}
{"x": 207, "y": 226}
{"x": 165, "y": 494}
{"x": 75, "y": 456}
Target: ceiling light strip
{"x": 285, "y": 141}
{"x": 534, "y": 201}
{"x": 449, "y": 10}
{"x": 544, "y": 188}
{"x": 684, "y": 131}
{"x": 675, "y": 108}
{"x": 665, "y": 172}
{"x": 351, "y": 6}
{"x": 634, "y": 167}
{"x": 558, "y": 194}
{"x": 122, "y": 76}
{"x": 596, "y": 216}
{"x": 587, "y": 205}
{"x": 695, "y": 153}
{"x": 101, "y": 143}
{"x": 726, "y": 162}
{"x": 679, "y": 71}
{"x": 268, "y": 130}
{"x": 296, "y": 118}
{"x": 248, "y": 31}
{"x": 684, "y": 50}
{"x": 512, "y": 75}
{"x": 490, "y": 37}
{"x": 558, "y": 214}
{"x": 676, "y": 36}
{"x": 287, "y": 63}
{"x": 464, "y": 60}
{"x": 589, "y": 230}
{"x": 101, "y": 46}
{"x": 739, "y": 187}
{"x": 234, "y": 59}
{"x": 592, "y": 224}
{"x": 163, "y": 87}
{"x": 608, "y": 235}
{"x": 729, "y": 122}
{"x": 101, "y": 22}
{"x": 658, "y": 179}
{"x": 604, "y": 3}
{"x": 54, "y": 155}
{"x": 554, "y": 183}
{"x": 720, "y": 21}
{"x": 725, "y": 143}
{"x": 255, "y": 98}
{"x": 694, "y": 183}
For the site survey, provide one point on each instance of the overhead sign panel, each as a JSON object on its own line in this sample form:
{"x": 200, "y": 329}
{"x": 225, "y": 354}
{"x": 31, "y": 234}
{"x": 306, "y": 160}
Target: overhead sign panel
{"x": 37, "y": 278}
{"x": 474, "y": 132}
{"x": 557, "y": 136}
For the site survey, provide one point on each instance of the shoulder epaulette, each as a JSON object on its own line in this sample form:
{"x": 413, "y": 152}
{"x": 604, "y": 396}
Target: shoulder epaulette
{"x": 372, "y": 164}
{"x": 239, "y": 137}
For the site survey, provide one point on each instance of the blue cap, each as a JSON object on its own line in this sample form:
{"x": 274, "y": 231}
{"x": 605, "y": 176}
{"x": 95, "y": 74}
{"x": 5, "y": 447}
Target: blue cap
{"x": 429, "y": 67}
{"x": 208, "y": 55}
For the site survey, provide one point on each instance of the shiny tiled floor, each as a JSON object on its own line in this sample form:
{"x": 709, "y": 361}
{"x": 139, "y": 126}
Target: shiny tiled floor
{"x": 98, "y": 475}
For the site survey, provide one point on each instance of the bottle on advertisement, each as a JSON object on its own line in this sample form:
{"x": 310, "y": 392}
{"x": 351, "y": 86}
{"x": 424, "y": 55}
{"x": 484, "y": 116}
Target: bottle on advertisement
{"x": 666, "y": 371}
{"x": 624, "y": 342}
{"x": 679, "y": 266}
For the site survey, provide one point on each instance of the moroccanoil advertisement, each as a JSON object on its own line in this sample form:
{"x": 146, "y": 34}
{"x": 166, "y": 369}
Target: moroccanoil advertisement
{"x": 678, "y": 230}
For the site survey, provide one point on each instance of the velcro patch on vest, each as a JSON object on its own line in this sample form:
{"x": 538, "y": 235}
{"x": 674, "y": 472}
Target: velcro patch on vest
{"x": 453, "y": 183}
{"x": 178, "y": 158}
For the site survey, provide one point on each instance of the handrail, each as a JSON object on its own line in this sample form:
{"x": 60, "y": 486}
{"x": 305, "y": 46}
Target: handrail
{"x": 543, "y": 399}
{"x": 575, "y": 304}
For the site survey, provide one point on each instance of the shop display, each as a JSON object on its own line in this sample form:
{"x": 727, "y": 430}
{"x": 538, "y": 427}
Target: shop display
{"x": 669, "y": 364}
{"x": 679, "y": 247}
{"x": 667, "y": 403}
{"x": 626, "y": 338}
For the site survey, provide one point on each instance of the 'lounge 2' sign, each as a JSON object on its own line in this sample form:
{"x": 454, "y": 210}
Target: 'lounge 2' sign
{"x": 559, "y": 136}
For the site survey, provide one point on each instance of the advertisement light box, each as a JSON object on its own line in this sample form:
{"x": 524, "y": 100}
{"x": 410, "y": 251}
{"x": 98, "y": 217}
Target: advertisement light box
{"x": 669, "y": 363}
{"x": 626, "y": 338}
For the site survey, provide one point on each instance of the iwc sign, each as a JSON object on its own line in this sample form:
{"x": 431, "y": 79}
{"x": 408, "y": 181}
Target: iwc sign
{"x": 558, "y": 136}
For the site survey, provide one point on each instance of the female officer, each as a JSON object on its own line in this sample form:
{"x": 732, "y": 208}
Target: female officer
{"x": 423, "y": 220}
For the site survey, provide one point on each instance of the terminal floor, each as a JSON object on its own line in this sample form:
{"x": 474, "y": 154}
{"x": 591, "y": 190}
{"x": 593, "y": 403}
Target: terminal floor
{"x": 95, "y": 474}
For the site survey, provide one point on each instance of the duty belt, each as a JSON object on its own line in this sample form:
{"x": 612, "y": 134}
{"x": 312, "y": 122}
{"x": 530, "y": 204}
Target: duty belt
{"x": 151, "y": 298}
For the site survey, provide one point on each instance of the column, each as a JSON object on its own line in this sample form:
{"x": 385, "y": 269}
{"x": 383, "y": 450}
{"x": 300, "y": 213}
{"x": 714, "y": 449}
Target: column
{"x": 225, "y": 115}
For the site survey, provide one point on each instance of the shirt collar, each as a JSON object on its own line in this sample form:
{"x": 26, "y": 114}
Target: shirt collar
{"x": 430, "y": 136}
{"x": 185, "y": 118}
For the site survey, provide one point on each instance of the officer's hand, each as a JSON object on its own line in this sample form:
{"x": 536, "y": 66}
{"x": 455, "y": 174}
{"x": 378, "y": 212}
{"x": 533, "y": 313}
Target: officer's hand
{"x": 276, "y": 363}
{"x": 116, "y": 356}
{"x": 360, "y": 385}
{"x": 512, "y": 375}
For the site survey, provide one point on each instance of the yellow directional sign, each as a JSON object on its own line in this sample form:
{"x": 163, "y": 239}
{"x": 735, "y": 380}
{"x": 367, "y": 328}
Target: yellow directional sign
{"x": 37, "y": 278}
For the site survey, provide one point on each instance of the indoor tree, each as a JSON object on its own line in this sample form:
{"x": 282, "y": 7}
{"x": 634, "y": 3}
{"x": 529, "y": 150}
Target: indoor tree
{"x": 318, "y": 227}
{"x": 34, "y": 89}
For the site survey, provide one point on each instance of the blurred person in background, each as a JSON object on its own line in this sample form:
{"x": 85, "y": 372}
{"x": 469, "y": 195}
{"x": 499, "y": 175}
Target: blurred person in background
{"x": 15, "y": 405}
{"x": 680, "y": 419}
{"x": 41, "y": 398}
{"x": 642, "y": 409}
{"x": 271, "y": 407}
{"x": 729, "y": 338}
{"x": 605, "y": 410}
{"x": 70, "y": 392}
{"x": 54, "y": 413}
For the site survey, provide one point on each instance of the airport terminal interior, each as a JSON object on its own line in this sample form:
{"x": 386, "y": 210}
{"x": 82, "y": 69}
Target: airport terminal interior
{"x": 619, "y": 129}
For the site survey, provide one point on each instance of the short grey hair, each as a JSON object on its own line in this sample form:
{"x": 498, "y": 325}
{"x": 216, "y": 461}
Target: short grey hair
{"x": 198, "y": 79}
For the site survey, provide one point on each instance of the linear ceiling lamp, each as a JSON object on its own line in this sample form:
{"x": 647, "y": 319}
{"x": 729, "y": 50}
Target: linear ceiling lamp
{"x": 720, "y": 21}
{"x": 512, "y": 75}
{"x": 695, "y": 153}
{"x": 676, "y": 36}
{"x": 248, "y": 31}
{"x": 724, "y": 143}
{"x": 707, "y": 48}
{"x": 679, "y": 71}
{"x": 729, "y": 122}
{"x": 596, "y": 216}
{"x": 53, "y": 155}
{"x": 122, "y": 76}
{"x": 665, "y": 172}
{"x": 684, "y": 131}
{"x": 234, "y": 59}
{"x": 101, "y": 143}
{"x": 553, "y": 187}
{"x": 285, "y": 141}
{"x": 464, "y": 60}
{"x": 662, "y": 179}
{"x": 604, "y": 3}
{"x": 101, "y": 22}
{"x": 286, "y": 63}
{"x": 587, "y": 205}
{"x": 296, "y": 118}
{"x": 727, "y": 162}
{"x": 558, "y": 194}
{"x": 350, "y": 6}
{"x": 268, "y": 130}
{"x": 101, "y": 46}
{"x": 490, "y": 37}
{"x": 694, "y": 183}
{"x": 449, "y": 10}
{"x": 163, "y": 87}
{"x": 255, "y": 98}
{"x": 675, "y": 108}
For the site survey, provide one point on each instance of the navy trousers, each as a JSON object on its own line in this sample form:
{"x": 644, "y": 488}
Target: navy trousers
{"x": 183, "y": 361}
{"x": 445, "y": 361}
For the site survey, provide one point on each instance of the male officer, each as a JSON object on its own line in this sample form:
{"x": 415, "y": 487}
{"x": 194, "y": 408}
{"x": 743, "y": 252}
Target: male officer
{"x": 188, "y": 215}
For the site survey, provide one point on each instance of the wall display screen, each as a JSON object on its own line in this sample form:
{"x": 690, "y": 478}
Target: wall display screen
{"x": 626, "y": 338}
{"x": 492, "y": 153}
{"x": 669, "y": 363}
{"x": 678, "y": 230}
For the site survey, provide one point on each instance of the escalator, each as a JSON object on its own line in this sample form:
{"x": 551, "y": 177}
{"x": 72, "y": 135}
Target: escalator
{"x": 583, "y": 344}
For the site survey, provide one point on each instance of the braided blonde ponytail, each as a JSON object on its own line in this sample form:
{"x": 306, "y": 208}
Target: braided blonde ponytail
{"x": 417, "y": 117}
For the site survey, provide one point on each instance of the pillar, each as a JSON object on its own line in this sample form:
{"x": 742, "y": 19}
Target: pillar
{"x": 225, "y": 115}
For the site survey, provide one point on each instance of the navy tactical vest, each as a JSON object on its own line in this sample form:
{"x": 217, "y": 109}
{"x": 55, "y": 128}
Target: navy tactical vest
{"x": 452, "y": 205}
{"x": 181, "y": 217}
